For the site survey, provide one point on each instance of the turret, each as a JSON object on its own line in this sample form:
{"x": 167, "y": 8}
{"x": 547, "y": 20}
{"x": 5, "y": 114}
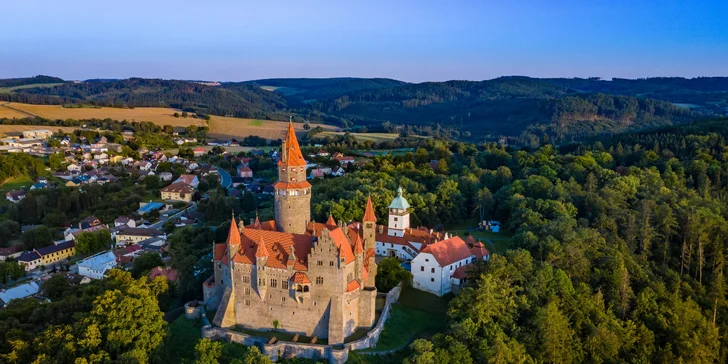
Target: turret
{"x": 261, "y": 258}
{"x": 369, "y": 231}
{"x": 293, "y": 192}
{"x": 399, "y": 215}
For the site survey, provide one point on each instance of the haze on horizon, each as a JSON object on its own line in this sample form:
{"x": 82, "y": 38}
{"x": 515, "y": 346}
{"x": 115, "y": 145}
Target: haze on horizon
{"x": 409, "y": 40}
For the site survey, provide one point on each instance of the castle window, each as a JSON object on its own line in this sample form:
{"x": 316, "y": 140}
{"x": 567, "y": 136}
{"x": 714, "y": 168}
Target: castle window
{"x": 432, "y": 270}
{"x": 299, "y": 288}
{"x": 395, "y": 219}
{"x": 331, "y": 263}
{"x": 283, "y": 299}
{"x": 319, "y": 280}
{"x": 247, "y": 291}
{"x": 422, "y": 268}
{"x": 284, "y": 284}
{"x": 320, "y": 262}
{"x": 305, "y": 288}
{"x": 246, "y": 279}
{"x": 247, "y": 302}
{"x": 274, "y": 283}
{"x": 314, "y": 303}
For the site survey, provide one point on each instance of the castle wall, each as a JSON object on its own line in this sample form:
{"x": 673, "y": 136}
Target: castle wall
{"x": 293, "y": 212}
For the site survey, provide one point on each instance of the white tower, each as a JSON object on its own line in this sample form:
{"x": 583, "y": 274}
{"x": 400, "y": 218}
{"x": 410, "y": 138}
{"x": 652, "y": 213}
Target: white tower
{"x": 399, "y": 215}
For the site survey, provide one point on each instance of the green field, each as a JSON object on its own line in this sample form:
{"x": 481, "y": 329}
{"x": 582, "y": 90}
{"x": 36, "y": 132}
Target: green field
{"x": 362, "y": 137}
{"x": 256, "y": 122}
{"x": 5, "y": 90}
{"x": 496, "y": 242}
{"x": 15, "y": 183}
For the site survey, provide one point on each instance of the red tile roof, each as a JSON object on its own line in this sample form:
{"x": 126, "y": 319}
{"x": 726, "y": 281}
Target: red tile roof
{"x": 187, "y": 178}
{"x": 462, "y": 272}
{"x": 269, "y": 225}
{"x": 352, "y": 286}
{"x": 287, "y": 185}
{"x": 179, "y": 187}
{"x": 233, "y": 234}
{"x": 479, "y": 250}
{"x": 331, "y": 221}
{"x": 292, "y": 155}
{"x": 168, "y": 272}
{"x": 369, "y": 212}
{"x": 448, "y": 251}
{"x": 278, "y": 246}
{"x": 342, "y": 243}
{"x": 220, "y": 251}
{"x": 300, "y": 278}
{"x": 260, "y": 249}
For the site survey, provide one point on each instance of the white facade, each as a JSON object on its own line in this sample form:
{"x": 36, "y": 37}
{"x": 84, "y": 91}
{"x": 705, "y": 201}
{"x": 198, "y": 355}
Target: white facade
{"x": 403, "y": 252}
{"x": 96, "y": 266}
{"x": 399, "y": 221}
{"x": 429, "y": 276}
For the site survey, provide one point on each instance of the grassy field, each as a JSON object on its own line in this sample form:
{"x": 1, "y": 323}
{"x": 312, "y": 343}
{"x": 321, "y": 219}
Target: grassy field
{"x": 221, "y": 127}
{"x": 496, "y": 242}
{"x": 35, "y": 85}
{"x": 371, "y": 137}
{"x": 179, "y": 347}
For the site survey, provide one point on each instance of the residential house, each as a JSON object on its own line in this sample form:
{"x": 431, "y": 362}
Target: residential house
{"x": 96, "y": 266}
{"x": 15, "y": 196}
{"x": 30, "y": 260}
{"x": 189, "y": 179}
{"x": 338, "y": 172}
{"x": 433, "y": 268}
{"x": 198, "y": 152}
{"x": 165, "y": 176}
{"x": 147, "y": 207}
{"x": 37, "y": 134}
{"x": 134, "y": 235}
{"x": 342, "y": 159}
{"x": 126, "y": 254}
{"x": 237, "y": 181}
{"x": 88, "y": 222}
{"x": 316, "y": 173}
{"x": 245, "y": 171}
{"x": 124, "y": 221}
{"x": 167, "y": 272}
{"x": 72, "y": 234}
{"x": 13, "y": 251}
{"x": 73, "y": 167}
{"x": 26, "y": 290}
{"x": 178, "y": 191}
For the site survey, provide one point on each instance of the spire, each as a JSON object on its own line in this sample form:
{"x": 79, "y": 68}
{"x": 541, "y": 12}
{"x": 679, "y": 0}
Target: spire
{"x": 234, "y": 234}
{"x": 369, "y": 212}
{"x": 256, "y": 224}
{"x": 261, "y": 251}
{"x": 358, "y": 247}
{"x": 331, "y": 221}
{"x": 291, "y": 156}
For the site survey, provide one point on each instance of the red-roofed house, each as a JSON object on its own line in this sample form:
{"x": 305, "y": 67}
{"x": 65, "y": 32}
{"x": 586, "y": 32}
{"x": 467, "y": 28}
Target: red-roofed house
{"x": 434, "y": 267}
{"x": 168, "y": 272}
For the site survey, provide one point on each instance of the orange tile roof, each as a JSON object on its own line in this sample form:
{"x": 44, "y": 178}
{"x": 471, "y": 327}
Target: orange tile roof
{"x": 352, "y": 286}
{"x": 292, "y": 156}
{"x": 342, "y": 243}
{"x": 269, "y": 225}
{"x": 220, "y": 251}
{"x": 278, "y": 245}
{"x": 479, "y": 250}
{"x": 300, "y": 278}
{"x": 260, "y": 249}
{"x": 234, "y": 234}
{"x": 470, "y": 240}
{"x": 462, "y": 272}
{"x": 355, "y": 239}
{"x": 358, "y": 247}
{"x": 369, "y": 212}
{"x": 331, "y": 221}
{"x": 448, "y": 251}
{"x": 287, "y": 185}
{"x": 178, "y": 187}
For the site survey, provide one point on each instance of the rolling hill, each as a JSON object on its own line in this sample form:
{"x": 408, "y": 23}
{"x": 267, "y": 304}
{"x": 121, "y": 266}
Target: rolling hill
{"x": 505, "y": 106}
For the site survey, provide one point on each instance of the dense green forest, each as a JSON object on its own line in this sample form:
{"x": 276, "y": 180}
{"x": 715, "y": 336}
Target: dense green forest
{"x": 518, "y": 107}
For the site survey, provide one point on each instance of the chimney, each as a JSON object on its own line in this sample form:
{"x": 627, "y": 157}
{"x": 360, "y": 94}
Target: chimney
{"x": 381, "y": 229}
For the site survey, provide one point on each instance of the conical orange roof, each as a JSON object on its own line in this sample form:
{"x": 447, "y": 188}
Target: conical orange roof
{"x": 331, "y": 221}
{"x": 369, "y": 212}
{"x": 233, "y": 234}
{"x": 261, "y": 251}
{"x": 292, "y": 155}
{"x": 358, "y": 247}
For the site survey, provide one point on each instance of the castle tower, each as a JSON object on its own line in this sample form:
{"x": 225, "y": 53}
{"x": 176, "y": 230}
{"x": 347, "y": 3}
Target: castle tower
{"x": 399, "y": 215}
{"x": 370, "y": 225}
{"x": 293, "y": 192}
{"x": 261, "y": 258}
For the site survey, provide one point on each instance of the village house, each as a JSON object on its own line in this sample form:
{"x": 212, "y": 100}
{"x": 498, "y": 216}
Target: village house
{"x": 435, "y": 266}
{"x": 15, "y": 196}
{"x": 13, "y": 251}
{"x": 177, "y": 191}
{"x": 30, "y": 260}
{"x": 96, "y": 266}
{"x": 37, "y": 134}
{"x": 189, "y": 179}
{"x": 55, "y": 253}
{"x": 199, "y": 151}
{"x": 165, "y": 176}
{"x": 245, "y": 171}
{"x": 132, "y": 235}
{"x": 126, "y": 254}
{"x": 167, "y": 272}
{"x": 124, "y": 221}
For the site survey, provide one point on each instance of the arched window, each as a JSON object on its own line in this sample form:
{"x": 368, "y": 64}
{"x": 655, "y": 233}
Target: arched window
{"x": 319, "y": 280}
{"x": 299, "y": 288}
{"x": 305, "y": 288}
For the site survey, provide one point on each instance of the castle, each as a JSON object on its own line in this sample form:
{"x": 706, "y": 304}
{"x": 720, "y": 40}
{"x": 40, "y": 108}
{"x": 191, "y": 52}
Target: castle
{"x": 292, "y": 274}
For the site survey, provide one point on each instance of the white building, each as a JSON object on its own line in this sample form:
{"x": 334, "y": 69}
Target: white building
{"x": 96, "y": 266}
{"x": 433, "y": 268}
{"x": 37, "y": 134}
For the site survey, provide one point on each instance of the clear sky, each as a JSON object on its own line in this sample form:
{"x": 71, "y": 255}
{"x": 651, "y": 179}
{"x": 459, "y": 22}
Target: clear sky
{"x": 411, "y": 40}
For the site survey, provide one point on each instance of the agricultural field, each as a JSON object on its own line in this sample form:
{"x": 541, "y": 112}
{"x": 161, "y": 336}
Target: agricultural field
{"x": 6, "y": 90}
{"x": 17, "y": 130}
{"x": 221, "y": 127}
{"x": 371, "y": 137}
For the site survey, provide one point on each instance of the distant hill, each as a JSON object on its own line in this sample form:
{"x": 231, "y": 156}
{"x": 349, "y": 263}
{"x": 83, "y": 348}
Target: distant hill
{"x": 505, "y": 106}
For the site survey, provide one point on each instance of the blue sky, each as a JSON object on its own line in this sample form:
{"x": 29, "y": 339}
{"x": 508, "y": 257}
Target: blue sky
{"x": 409, "y": 40}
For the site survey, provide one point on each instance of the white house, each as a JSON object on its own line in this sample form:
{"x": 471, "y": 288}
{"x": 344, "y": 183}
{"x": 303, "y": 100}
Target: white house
{"x": 73, "y": 167}
{"x": 434, "y": 267}
{"x": 96, "y": 266}
{"x": 165, "y": 176}
{"x": 124, "y": 221}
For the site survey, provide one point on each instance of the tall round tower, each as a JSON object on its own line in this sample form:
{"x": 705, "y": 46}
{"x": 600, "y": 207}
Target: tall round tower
{"x": 293, "y": 192}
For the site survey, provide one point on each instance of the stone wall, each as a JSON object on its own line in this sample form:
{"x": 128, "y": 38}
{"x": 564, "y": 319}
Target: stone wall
{"x": 193, "y": 310}
{"x": 337, "y": 354}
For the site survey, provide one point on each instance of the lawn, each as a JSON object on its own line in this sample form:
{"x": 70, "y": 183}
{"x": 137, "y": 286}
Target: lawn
{"x": 179, "y": 347}
{"x": 496, "y": 242}
{"x": 256, "y": 122}
{"x": 15, "y": 183}
{"x": 280, "y": 335}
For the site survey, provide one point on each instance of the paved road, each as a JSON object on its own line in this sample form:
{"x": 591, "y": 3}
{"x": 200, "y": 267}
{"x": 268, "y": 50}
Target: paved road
{"x": 225, "y": 180}
{"x": 163, "y": 219}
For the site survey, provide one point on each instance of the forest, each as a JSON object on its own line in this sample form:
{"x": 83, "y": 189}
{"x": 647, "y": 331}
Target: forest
{"x": 521, "y": 108}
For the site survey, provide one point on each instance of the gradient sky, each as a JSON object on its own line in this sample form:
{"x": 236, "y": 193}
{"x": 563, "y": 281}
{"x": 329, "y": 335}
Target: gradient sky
{"x": 411, "y": 40}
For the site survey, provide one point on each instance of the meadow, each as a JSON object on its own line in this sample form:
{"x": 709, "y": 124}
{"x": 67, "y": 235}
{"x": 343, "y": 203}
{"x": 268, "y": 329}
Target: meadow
{"x": 362, "y": 137}
{"x": 221, "y": 127}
